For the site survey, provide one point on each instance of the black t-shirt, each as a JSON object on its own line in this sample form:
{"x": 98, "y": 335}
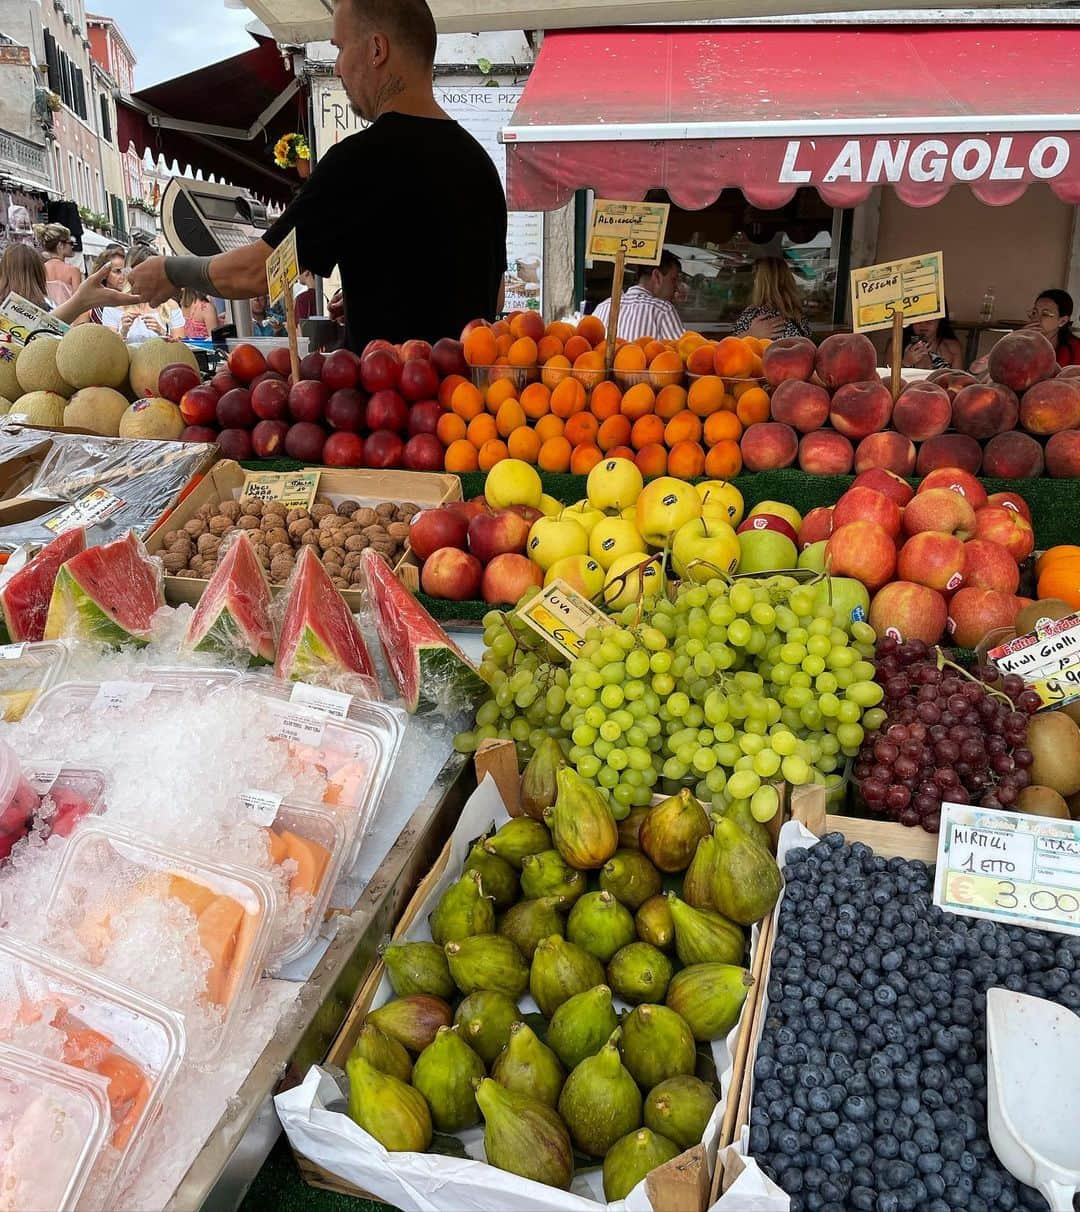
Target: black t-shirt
{"x": 413, "y": 212}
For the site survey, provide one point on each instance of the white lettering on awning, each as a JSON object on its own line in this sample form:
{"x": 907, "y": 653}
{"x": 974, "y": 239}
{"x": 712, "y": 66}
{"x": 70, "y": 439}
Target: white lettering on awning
{"x": 789, "y": 174}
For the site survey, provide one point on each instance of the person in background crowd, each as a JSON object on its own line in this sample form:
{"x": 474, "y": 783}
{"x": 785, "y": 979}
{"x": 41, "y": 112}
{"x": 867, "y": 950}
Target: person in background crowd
{"x": 113, "y": 257}
{"x": 265, "y": 320}
{"x": 139, "y": 321}
{"x": 200, "y": 315}
{"x": 775, "y": 309}
{"x": 648, "y": 307}
{"x": 1052, "y": 316}
{"x": 305, "y": 300}
{"x": 63, "y": 279}
{"x": 22, "y": 272}
{"x": 933, "y": 345}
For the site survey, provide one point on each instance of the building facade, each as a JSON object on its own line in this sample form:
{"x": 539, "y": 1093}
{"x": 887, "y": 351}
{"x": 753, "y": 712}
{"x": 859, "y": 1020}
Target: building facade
{"x": 114, "y": 71}
{"x": 25, "y": 122}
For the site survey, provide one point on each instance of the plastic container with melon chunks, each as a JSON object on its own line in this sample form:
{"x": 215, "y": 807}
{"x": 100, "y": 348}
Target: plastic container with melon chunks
{"x": 69, "y": 794}
{"x": 228, "y": 914}
{"x": 84, "y": 696}
{"x": 96, "y": 1028}
{"x": 54, "y": 1122}
{"x": 26, "y": 672}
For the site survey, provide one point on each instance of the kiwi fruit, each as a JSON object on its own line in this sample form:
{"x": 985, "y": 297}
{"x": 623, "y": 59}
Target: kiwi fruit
{"x": 1049, "y": 608}
{"x": 1042, "y": 801}
{"x": 1054, "y": 740}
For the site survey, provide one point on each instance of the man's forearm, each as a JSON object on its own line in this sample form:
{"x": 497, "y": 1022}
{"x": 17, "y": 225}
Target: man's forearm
{"x": 237, "y": 274}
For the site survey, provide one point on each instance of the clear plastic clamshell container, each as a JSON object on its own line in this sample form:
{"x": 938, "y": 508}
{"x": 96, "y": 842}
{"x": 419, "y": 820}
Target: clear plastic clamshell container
{"x": 18, "y": 802}
{"x": 54, "y": 1122}
{"x": 27, "y": 671}
{"x": 88, "y": 1025}
{"x": 355, "y": 754}
{"x": 68, "y": 794}
{"x": 70, "y": 697}
{"x": 208, "y": 926}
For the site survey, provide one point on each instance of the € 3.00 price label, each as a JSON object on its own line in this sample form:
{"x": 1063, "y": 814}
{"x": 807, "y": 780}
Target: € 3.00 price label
{"x": 1009, "y": 867}
{"x": 563, "y": 617}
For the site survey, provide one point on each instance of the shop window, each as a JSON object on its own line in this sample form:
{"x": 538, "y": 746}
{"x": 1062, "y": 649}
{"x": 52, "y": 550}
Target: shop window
{"x": 106, "y": 119}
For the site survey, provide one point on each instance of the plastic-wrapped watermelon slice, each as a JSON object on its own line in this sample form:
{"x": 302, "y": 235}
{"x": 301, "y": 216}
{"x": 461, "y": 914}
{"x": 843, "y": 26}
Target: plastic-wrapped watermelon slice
{"x": 234, "y": 612}
{"x": 25, "y": 597}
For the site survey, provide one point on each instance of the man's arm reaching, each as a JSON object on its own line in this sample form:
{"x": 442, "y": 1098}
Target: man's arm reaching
{"x": 237, "y": 274}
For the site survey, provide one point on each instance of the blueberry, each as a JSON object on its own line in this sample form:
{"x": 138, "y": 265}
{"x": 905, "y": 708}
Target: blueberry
{"x": 899, "y": 1173}
{"x": 929, "y": 1163}
{"x": 862, "y": 1155}
{"x": 887, "y": 1146}
{"x": 847, "y": 1137}
{"x": 888, "y": 1099}
{"x": 888, "y": 1201}
{"x": 818, "y": 1099}
{"x": 863, "y": 1199}
{"x": 933, "y": 1182}
{"x": 792, "y": 1180}
{"x": 795, "y": 1118}
{"x": 787, "y": 1141}
{"x": 909, "y": 1151}
{"x": 857, "y": 1109}
{"x": 823, "y": 1144}
{"x": 829, "y": 1121}
{"x": 759, "y": 1139}
{"x": 910, "y": 1105}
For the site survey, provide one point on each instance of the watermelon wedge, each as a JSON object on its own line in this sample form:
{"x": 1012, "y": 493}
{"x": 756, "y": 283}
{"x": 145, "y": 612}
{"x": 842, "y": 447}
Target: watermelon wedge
{"x": 234, "y": 613}
{"x": 430, "y": 670}
{"x": 24, "y": 600}
{"x": 318, "y": 633}
{"x": 107, "y": 595}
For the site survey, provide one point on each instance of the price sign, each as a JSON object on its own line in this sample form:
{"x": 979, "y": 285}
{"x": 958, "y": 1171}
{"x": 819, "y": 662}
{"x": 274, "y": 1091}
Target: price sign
{"x": 95, "y": 507}
{"x": 294, "y": 489}
{"x": 915, "y": 287}
{"x": 1009, "y": 867}
{"x": 635, "y": 229}
{"x": 563, "y": 617}
{"x": 282, "y": 268}
{"x": 1048, "y": 659}
{"x": 21, "y": 321}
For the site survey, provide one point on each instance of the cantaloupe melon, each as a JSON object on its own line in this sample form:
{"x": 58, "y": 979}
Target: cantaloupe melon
{"x": 219, "y": 929}
{"x": 43, "y": 408}
{"x": 194, "y": 895}
{"x": 35, "y": 368}
{"x": 152, "y": 418}
{"x": 90, "y": 355}
{"x": 96, "y": 409}
{"x": 150, "y": 358}
{"x": 311, "y": 862}
{"x": 5, "y": 406}
{"x": 9, "y": 381}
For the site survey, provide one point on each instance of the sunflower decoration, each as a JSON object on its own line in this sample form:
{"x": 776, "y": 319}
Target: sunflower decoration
{"x": 290, "y": 150}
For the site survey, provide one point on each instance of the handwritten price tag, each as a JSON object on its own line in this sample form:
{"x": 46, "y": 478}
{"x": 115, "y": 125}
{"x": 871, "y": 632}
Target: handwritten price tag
{"x": 635, "y": 229}
{"x": 294, "y": 489}
{"x": 282, "y": 268}
{"x": 1009, "y": 867}
{"x": 915, "y": 286}
{"x": 563, "y": 617}
{"x": 1048, "y": 659}
{"x": 115, "y": 696}
{"x": 95, "y": 507}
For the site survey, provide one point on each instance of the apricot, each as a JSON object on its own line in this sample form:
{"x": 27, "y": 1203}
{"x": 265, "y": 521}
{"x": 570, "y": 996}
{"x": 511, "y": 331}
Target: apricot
{"x": 686, "y": 427}
{"x": 651, "y": 460}
{"x": 732, "y": 358}
{"x": 670, "y": 401}
{"x": 605, "y": 400}
{"x": 722, "y": 427}
{"x": 686, "y": 461}
{"x": 480, "y": 347}
{"x": 582, "y": 427}
{"x": 523, "y": 444}
{"x": 706, "y": 395}
{"x": 638, "y": 401}
{"x": 461, "y": 457}
{"x": 724, "y": 460}
{"x": 615, "y": 431}
{"x": 647, "y": 431}
{"x": 491, "y": 453}
{"x": 591, "y": 329}
{"x": 630, "y": 359}
{"x": 584, "y": 458}
{"x": 550, "y": 426}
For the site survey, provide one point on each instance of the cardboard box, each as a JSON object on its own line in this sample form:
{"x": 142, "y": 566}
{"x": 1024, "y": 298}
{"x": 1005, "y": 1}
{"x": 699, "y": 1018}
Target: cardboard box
{"x": 225, "y": 480}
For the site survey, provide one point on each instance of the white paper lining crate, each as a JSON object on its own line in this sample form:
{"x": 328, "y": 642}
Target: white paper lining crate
{"x": 226, "y": 480}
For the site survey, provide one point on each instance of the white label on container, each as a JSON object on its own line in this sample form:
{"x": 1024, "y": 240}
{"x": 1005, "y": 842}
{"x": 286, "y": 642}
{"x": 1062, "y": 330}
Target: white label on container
{"x": 42, "y": 775}
{"x": 11, "y": 652}
{"x": 302, "y": 724}
{"x": 334, "y": 702}
{"x": 262, "y": 806}
{"x": 114, "y": 696}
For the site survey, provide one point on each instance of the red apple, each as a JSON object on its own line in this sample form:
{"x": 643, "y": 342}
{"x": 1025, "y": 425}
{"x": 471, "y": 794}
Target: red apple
{"x": 1010, "y": 500}
{"x": 866, "y": 505}
{"x": 246, "y": 361}
{"x": 888, "y": 483}
{"x": 268, "y": 439}
{"x": 344, "y": 449}
{"x": 988, "y": 566}
{"x": 770, "y": 521}
{"x": 424, "y": 417}
{"x": 499, "y": 533}
{"x": 234, "y": 409}
{"x": 383, "y": 449}
{"x": 908, "y": 611}
{"x": 451, "y": 574}
{"x": 270, "y": 400}
{"x": 934, "y": 559}
{"x": 341, "y": 370}
{"x": 176, "y": 380}
{"x": 862, "y": 550}
{"x": 435, "y": 528}
{"x": 381, "y": 371}
{"x": 423, "y": 452}
{"x": 974, "y": 613}
{"x": 235, "y": 444}
{"x": 470, "y": 509}
{"x": 507, "y": 577}
{"x": 940, "y": 509}
{"x": 959, "y": 481}
{"x": 346, "y": 410}
{"x": 305, "y": 442}
{"x": 311, "y": 366}
{"x": 448, "y": 358}
{"x": 816, "y": 526}
{"x": 199, "y": 406}
{"x": 280, "y": 360}
{"x": 307, "y": 400}
{"x": 527, "y": 512}
{"x": 1008, "y": 528}
{"x": 199, "y": 433}
{"x": 387, "y": 410}
{"x": 419, "y": 380}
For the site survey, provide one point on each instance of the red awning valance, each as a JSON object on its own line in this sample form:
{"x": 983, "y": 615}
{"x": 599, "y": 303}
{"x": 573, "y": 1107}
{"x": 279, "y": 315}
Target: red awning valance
{"x": 695, "y": 110}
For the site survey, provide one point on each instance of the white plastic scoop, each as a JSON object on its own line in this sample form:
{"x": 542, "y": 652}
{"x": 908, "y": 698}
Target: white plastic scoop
{"x": 1033, "y": 1075}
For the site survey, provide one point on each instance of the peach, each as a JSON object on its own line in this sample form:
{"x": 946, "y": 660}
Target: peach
{"x": 934, "y": 559}
{"x": 768, "y": 445}
{"x": 861, "y": 408}
{"x": 985, "y": 409}
{"x": 889, "y": 451}
{"x": 951, "y": 381}
{"x": 866, "y": 505}
{"x": 1007, "y": 528}
{"x": 1069, "y": 372}
{"x": 1051, "y": 407}
{"x": 862, "y": 550}
{"x": 886, "y": 482}
{"x": 1063, "y": 454}
{"x": 803, "y": 406}
{"x": 788, "y": 360}
{"x": 908, "y": 611}
{"x": 989, "y": 566}
{"x": 816, "y": 526}
{"x": 845, "y": 358}
{"x": 826, "y": 453}
{"x": 1022, "y": 359}
{"x": 1013, "y": 456}
{"x": 922, "y": 411}
{"x": 1010, "y": 500}
{"x": 959, "y": 481}
{"x": 949, "y": 450}
{"x": 940, "y": 509}
{"x": 974, "y": 613}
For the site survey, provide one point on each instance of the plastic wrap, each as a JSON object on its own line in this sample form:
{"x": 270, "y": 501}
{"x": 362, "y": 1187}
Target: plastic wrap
{"x": 26, "y": 590}
{"x": 26, "y": 672}
{"x": 234, "y": 614}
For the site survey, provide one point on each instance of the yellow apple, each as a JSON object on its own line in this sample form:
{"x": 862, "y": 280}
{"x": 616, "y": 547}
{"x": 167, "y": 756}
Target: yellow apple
{"x": 703, "y": 549}
{"x": 552, "y": 539}
{"x": 513, "y": 482}
{"x": 584, "y": 514}
{"x": 613, "y": 484}
{"x": 580, "y": 573}
{"x": 630, "y": 576}
{"x": 614, "y": 537}
{"x": 549, "y": 507}
{"x": 721, "y": 500}
{"x": 665, "y": 505}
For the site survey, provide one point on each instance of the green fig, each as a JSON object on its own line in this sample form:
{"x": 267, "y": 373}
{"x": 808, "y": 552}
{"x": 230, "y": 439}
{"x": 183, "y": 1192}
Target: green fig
{"x": 548, "y": 874}
{"x": 539, "y": 786}
{"x": 629, "y": 1160}
{"x": 709, "y": 997}
{"x": 656, "y": 1044}
{"x": 527, "y": 922}
{"x": 488, "y": 961}
{"x": 499, "y": 879}
{"x": 445, "y": 1073}
{"x": 559, "y": 970}
{"x": 529, "y": 1067}
{"x": 581, "y": 823}
{"x": 418, "y": 968}
{"x": 630, "y": 828}
{"x": 703, "y": 936}
{"x": 680, "y": 1109}
{"x": 600, "y": 1101}
{"x": 639, "y": 973}
{"x": 582, "y": 1025}
{"x": 746, "y": 879}
{"x": 393, "y": 1113}
{"x": 485, "y": 1019}
{"x": 739, "y": 812}
{"x": 412, "y": 1020}
{"x": 599, "y": 925}
{"x": 382, "y": 1052}
{"x": 654, "y": 925}
{"x": 697, "y": 882}
{"x": 630, "y": 878}
{"x": 672, "y": 830}
{"x": 519, "y": 837}
{"x": 462, "y": 911}
{"x": 524, "y": 1136}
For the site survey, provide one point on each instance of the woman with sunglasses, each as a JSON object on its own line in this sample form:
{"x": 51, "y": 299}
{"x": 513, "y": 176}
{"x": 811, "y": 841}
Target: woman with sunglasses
{"x": 57, "y": 244}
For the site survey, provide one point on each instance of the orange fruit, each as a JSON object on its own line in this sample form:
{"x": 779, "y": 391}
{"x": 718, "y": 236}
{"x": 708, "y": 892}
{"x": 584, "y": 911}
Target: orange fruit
{"x": 605, "y": 400}
{"x": 753, "y": 344}
{"x": 589, "y": 367}
{"x": 503, "y": 345}
{"x": 688, "y": 342}
{"x": 639, "y": 401}
{"x": 581, "y": 427}
{"x": 549, "y": 426}
{"x": 467, "y": 401}
{"x": 686, "y": 461}
{"x": 591, "y": 329}
{"x": 461, "y": 456}
{"x": 523, "y": 444}
{"x": 482, "y": 428}
{"x": 509, "y": 417}
{"x": 498, "y": 392}
{"x": 480, "y": 347}
{"x": 548, "y": 347}
{"x": 732, "y": 358}
{"x": 706, "y": 396}
{"x": 568, "y": 398}
{"x": 651, "y": 460}
{"x": 737, "y": 388}
{"x": 757, "y": 367}
{"x": 575, "y": 347}
{"x": 451, "y": 428}
{"x": 555, "y": 370}
{"x": 584, "y": 458}
{"x": 560, "y": 331}
{"x": 501, "y": 328}
{"x": 722, "y": 427}
{"x": 753, "y": 406}
{"x": 622, "y": 452}
{"x": 491, "y": 453}
{"x": 646, "y": 431}
{"x": 523, "y": 352}
{"x": 702, "y": 360}
{"x": 670, "y": 401}
{"x": 536, "y": 401}
{"x": 685, "y": 427}
{"x": 724, "y": 460}
{"x": 555, "y": 455}
{"x": 630, "y": 359}
{"x": 447, "y": 388}
{"x": 615, "y": 431}
{"x": 653, "y": 349}
{"x": 666, "y": 363}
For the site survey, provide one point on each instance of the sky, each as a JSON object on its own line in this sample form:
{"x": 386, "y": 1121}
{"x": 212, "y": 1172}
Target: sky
{"x": 169, "y": 40}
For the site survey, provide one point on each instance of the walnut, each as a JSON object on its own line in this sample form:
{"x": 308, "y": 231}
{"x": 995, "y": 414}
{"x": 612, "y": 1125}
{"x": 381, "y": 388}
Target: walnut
{"x": 248, "y": 521}
{"x": 182, "y": 543}
{"x": 220, "y": 524}
{"x": 327, "y": 539}
{"x": 262, "y": 551}
{"x": 251, "y": 508}
{"x": 386, "y": 510}
{"x": 340, "y": 583}
{"x": 174, "y": 562}
{"x": 352, "y": 560}
{"x": 205, "y": 512}
{"x": 229, "y": 509}
{"x": 384, "y": 547}
{"x": 275, "y": 535}
{"x": 310, "y": 539}
{"x": 331, "y": 521}
{"x": 170, "y": 537}
{"x": 297, "y": 515}
{"x": 375, "y": 532}
{"x": 332, "y": 570}
{"x": 187, "y": 572}
{"x": 334, "y": 555}
{"x": 348, "y": 530}
{"x": 273, "y": 509}
{"x": 357, "y": 542}
{"x": 357, "y": 576}
{"x": 365, "y": 517}
{"x": 300, "y": 527}
{"x": 318, "y": 512}
{"x": 277, "y": 549}
{"x": 398, "y": 530}
{"x": 323, "y": 501}
{"x": 195, "y": 527}
{"x": 208, "y": 544}
{"x": 347, "y": 508}
{"x": 281, "y": 567}
{"x": 407, "y": 511}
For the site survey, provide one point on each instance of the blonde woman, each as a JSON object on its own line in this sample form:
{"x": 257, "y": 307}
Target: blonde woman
{"x": 57, "y": 245}
{"x": 113, "y": 258}
{"x": 141, "y": 322}
{"x": 775, "y": 309}
{"x": 22, "y": 272}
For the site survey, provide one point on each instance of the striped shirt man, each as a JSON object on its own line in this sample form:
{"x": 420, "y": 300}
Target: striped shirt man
{"x": 647, "y": 309}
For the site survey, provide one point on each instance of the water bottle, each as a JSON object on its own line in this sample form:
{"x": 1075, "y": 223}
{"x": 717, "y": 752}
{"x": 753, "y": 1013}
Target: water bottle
{"x": 987, "y": 312}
